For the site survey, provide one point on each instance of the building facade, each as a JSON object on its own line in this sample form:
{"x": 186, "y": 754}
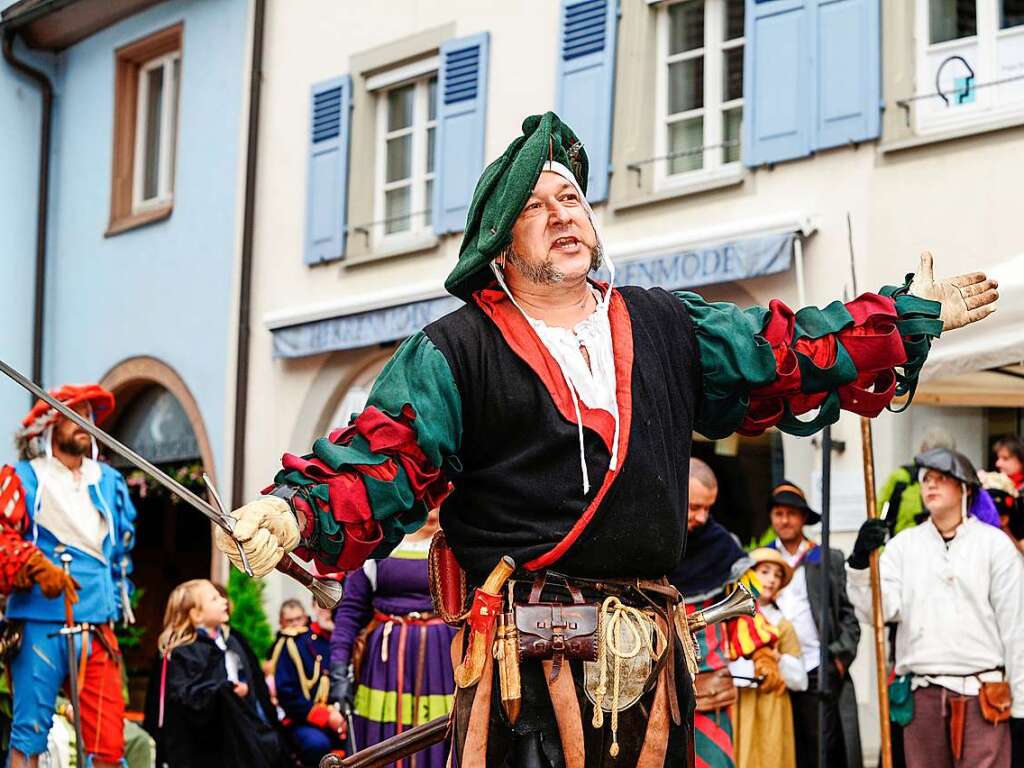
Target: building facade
{"x": 790, "y": 149}
{"x": 143, "y": 231}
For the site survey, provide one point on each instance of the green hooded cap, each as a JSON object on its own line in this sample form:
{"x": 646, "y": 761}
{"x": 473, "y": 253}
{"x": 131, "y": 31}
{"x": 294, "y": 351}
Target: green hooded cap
{"x": 503, "y": 190}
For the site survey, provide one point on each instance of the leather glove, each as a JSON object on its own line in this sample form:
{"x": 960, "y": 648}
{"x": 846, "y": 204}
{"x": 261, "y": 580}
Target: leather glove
{"x": 965, "y": 298}
{"x": 51, "y": 578}
{"x": 870, "y": 537}
{"x": 341, "y": 686}
{"x": 766, "y": 666}
{"x": 266, "y": 529}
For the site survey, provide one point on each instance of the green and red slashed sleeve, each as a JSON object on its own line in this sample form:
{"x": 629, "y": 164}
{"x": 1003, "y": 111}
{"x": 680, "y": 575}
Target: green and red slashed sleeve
{"x": 15, "y": 549}
{"x": 766, "y": 366}
{"x": 367, "y": 485}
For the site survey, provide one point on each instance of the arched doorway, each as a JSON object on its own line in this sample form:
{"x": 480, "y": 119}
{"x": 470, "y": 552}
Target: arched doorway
{"x": 157, "y": 417}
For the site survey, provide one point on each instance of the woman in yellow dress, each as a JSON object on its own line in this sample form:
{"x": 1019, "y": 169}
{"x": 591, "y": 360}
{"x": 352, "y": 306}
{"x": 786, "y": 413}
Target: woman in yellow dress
{"x": 763, "y": 721}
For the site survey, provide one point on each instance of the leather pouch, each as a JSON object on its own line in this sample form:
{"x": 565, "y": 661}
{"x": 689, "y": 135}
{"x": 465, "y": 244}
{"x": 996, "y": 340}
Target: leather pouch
{"x": 556, "y": 631}
{"x": 995, "y": 700}
{"x": 715, "y": 690}
{"x": 448, "y": 587}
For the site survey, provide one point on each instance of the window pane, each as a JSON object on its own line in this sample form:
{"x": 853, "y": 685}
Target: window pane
{"x": 733, "y": 19}
{"x": 686, "y": 136}
{"x": 732, "y": 72}
{"x": 432, "y": 99}
{"x": 428, "y": 197}
{"x": 399, "y": 158}
{"x": 952, "y": 19}
{"x": 154, "y": 111}
{"x": 430, "y": 150}
{"x": 396, "y": 210}
{"x": 1012, "y": 15}
{"x": 685, "y": 26}
{"x": 731, "y": 121}
{"x": 686, "y": 85}
{"x": 173, "y": 137}
{"x": 400, "y": 102}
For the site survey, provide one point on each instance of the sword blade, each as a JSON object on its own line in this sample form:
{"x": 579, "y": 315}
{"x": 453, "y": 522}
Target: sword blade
{"x": 117, "y": 447}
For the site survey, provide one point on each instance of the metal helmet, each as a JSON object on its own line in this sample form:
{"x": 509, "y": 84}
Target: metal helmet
{"x": 951, "y": 463}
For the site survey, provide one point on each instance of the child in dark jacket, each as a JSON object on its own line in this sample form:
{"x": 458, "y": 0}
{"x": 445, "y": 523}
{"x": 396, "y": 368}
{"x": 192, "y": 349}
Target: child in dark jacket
{"x": 205, "y": 711}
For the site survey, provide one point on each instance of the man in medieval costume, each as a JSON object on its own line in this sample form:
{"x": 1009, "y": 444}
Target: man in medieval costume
{"x": 59, "y": 500}
{"x": 560, "y": 409}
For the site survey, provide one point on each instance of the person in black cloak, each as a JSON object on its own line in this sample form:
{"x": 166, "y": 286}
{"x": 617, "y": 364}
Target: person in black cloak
{"x": 204, "y": 708}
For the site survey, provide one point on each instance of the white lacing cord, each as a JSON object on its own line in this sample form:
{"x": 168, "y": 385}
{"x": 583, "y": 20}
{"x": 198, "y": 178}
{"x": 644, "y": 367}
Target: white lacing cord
{"x": 565, "y": 376}
{"x": 608, "y": 643}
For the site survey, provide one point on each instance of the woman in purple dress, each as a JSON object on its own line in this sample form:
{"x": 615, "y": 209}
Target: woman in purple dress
{"x": 387, "y": 633}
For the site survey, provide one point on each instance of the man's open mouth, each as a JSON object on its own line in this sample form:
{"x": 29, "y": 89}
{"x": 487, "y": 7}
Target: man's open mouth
{"x": 565, "y": 242}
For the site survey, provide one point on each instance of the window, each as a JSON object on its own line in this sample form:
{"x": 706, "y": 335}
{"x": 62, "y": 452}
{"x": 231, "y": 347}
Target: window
{"x": 970, "y": 63}
{"x": 407, "y": 121}
{"x": 147, "y": 82}
{"x": 700, "y": 91}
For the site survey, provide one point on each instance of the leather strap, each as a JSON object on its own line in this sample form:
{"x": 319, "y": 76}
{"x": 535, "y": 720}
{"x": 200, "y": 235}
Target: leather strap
{"x": 474, "y": 754}
{"x": 566, "y": 706}
{"x": 656, "y": 738}
{"x": 541, "y": 581}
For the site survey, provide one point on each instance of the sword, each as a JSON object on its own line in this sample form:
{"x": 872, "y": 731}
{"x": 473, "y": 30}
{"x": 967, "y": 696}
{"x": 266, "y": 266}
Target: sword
{"x": 326, "y": 591}
{"x": 69, "y": 631}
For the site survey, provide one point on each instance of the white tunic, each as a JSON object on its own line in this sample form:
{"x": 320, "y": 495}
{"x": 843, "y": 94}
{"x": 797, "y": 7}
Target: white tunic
{"x": 66, "y": 509}
{"x": 960, "y": 606}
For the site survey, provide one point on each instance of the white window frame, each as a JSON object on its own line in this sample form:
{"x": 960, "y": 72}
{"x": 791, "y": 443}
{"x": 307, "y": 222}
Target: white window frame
{"x": 421, "y": 227}
{"x": 714, "y": 107}
{"x": 168, "y": 133}
{"x": 988, "y": 105}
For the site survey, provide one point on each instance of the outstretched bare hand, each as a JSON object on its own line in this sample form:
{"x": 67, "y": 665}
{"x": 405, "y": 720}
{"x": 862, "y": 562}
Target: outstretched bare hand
{"x": 965, "y": 299}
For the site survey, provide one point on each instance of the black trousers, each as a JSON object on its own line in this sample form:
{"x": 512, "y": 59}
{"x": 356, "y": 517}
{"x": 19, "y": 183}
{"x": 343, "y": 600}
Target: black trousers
{"x": 805, "y": 724}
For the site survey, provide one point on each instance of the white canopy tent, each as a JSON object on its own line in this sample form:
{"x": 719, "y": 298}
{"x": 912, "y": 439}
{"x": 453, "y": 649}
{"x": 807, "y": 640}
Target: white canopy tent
{"x": 996, "y": 342}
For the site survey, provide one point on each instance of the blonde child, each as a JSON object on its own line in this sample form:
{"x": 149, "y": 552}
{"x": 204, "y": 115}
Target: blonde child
{"x": 205, "y": 713}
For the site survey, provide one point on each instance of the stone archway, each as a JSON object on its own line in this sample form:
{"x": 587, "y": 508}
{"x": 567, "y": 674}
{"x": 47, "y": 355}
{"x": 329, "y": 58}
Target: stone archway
{"x": 131, "y": 377}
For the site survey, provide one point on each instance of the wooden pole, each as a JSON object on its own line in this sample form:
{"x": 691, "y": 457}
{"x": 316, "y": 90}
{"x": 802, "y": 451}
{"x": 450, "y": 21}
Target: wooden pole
{"x": 876, "y": 597}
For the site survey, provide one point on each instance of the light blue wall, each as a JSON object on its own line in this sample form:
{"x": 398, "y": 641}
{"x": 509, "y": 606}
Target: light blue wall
{"x": 20, "y": 111}
{"x": 165, "y": 289}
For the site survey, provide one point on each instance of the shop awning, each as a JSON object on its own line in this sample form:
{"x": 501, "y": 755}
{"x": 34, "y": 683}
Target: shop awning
{"x": 684, "y": 260}
{"x": 996, "y": 342}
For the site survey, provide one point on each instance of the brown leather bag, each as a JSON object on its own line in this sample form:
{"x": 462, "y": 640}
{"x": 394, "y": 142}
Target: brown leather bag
{"x": 556, "y": 631}
{"x": 995, "y": 700}
{"x": 715, "y": 690}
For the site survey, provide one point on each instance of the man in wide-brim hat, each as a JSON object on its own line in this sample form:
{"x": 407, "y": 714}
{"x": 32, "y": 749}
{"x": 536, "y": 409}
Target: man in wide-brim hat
{"x": 560, "y": 410}
{"x": 801, "y": 604}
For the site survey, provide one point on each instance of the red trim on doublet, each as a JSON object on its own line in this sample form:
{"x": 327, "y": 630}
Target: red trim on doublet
{"x": 528, "y": 346}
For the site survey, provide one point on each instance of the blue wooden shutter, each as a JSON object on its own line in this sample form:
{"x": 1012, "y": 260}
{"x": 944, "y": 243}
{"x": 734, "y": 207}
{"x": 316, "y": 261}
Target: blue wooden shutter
{"x": 586, "y": 82}
{"x": 461, "y": 118}
{"x": 849, "y": 90}
{"x": 778, "y": 87}
{"x": 327, "y": 186}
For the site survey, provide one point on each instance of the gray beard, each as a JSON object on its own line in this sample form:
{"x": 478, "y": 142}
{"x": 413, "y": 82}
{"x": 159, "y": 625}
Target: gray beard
{"x": 545, "y": 272}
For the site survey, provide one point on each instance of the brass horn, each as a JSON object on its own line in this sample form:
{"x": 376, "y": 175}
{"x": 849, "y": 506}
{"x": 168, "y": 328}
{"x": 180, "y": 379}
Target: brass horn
{"x": 739, "y": 603}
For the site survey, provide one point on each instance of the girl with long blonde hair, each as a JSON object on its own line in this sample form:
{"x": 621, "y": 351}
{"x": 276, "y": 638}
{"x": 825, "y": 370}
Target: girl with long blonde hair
{"x": 206, "y": 712}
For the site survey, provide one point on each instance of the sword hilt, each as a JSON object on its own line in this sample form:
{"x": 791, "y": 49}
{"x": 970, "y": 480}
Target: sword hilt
{"x": 326, "y": 592}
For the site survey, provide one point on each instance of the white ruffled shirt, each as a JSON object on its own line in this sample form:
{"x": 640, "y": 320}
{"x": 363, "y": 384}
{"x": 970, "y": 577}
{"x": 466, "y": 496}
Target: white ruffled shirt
{"x": 595, "y": 384}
